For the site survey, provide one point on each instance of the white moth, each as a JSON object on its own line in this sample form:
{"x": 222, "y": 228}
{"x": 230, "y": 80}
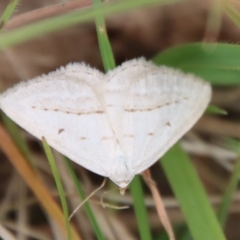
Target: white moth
{"x": 116, "y": 124}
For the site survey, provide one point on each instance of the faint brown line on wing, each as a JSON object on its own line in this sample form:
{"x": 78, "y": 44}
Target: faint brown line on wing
{"x": 70, "y": 112}
{"x": 150, "y": 109}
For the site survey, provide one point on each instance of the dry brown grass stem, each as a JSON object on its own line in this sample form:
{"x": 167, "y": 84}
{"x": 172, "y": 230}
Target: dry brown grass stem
{"x": 46, "y": 12}
{"x": 159, "y": 204}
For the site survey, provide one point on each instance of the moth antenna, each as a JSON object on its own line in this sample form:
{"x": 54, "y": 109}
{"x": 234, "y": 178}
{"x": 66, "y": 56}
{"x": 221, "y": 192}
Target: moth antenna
{"x": 86, "y": 199}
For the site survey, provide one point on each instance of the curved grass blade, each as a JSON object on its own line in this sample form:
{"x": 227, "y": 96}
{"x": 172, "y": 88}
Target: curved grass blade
{"x": 59, "y": 186}
{"x": 190, "y": 193}
{"x": 60, "y": 22}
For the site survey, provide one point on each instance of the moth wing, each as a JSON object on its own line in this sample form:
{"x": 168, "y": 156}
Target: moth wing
{"x": 159, "y": 105}
{"x": 65, "y": 107}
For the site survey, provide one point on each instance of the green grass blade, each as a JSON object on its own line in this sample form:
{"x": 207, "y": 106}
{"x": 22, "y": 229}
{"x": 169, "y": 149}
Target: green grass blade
{"x": 232, "y": 185}
{"x": 86, "y": 205}
{"x": 8, "y": 12}
{"x": 59, "y": 186}
{"x": 140, "y": 208}
{"x": 215, "y": 110}
{"x": 216, "y": 63}
{"x": 60, "y": 22}
{"x": 103, "y": 41}
{"x": 190, "y": 193}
